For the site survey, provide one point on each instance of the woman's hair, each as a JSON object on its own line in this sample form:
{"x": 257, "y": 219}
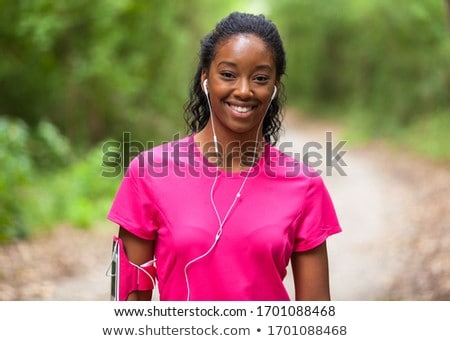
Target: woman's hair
{"x": 197, "y": 110}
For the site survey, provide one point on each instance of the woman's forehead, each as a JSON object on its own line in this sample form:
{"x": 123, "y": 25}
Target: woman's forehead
{"x": 242, "y": 47}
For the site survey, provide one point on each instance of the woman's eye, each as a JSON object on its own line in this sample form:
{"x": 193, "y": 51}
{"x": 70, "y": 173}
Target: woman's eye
{"x": 261, "y": 79}
{"x": 226, "y": 74}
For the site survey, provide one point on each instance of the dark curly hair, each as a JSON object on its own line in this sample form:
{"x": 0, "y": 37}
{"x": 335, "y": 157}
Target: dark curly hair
{"x": 196, "y": 110}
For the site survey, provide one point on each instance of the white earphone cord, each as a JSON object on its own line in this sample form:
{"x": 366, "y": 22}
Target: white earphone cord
{"x": 211, "y": 194}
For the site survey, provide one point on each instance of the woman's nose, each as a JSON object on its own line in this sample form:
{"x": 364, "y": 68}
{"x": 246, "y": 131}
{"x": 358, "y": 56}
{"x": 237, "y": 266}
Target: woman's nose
{"x": 243, "y": 89}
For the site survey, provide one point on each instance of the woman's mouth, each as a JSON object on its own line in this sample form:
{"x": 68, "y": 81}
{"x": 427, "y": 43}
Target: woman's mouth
{"x": 241, "y": 110}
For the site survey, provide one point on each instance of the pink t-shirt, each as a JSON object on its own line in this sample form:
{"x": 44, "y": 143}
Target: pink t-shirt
{"x": 165, "y": 196}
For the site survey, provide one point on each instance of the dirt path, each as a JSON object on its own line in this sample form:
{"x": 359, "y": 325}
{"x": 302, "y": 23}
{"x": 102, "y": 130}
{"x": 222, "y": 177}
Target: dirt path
{"x": 362, "y": 262}
{"x": 65, "y": 264}
{"x": 393, "y": 207}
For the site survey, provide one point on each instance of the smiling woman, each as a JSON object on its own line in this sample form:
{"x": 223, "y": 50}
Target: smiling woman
{"x": 240, "y": 82}
{"x": 222, "y": 211}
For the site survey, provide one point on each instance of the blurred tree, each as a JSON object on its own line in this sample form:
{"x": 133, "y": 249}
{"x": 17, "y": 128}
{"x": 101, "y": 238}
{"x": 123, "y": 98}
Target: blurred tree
{"x": 96, "y": 69}
{"x": 76, "y": 72}
{"x": 390, "y": 58}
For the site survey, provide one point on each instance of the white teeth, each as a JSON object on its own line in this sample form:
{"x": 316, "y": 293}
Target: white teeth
{"x": 241, "y": 109}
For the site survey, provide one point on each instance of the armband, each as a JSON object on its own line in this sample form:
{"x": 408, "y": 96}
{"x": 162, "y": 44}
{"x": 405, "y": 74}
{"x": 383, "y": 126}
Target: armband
{"x": 127, "y": 276}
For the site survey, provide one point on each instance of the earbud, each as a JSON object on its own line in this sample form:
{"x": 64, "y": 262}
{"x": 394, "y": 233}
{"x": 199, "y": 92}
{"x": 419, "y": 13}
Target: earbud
{"x": 274, "y": 93}
{"x": 205, "y": 90}
{"x": 205, "y": 87}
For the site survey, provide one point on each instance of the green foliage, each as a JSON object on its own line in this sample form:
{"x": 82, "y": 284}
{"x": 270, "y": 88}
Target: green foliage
{"x": 429, "y": 136}
{"x": 26, "y": 156}
{"x": 74, "y": 73}
{"x": 98, "y": 68}
{"x": 16, "y": 172}
{"x": 390, "y": 60}
{"x": 78, "y": 194}
{"x": 49, "y": 148}
{"x": 42, "y": 184}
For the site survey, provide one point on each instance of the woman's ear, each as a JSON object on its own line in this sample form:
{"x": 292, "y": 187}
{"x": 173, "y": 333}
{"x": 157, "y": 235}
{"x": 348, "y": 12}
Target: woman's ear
{"x": 203, "y": 78}
{"x": 276, "y": 92}
{"x": 203, "y": 82}
{"x": 278, "y": 85}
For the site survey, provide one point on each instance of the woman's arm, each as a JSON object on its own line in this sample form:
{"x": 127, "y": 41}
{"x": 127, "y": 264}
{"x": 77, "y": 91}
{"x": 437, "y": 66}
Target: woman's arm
{"x": 138, "y": 251}
{"x": 310, "y": 270}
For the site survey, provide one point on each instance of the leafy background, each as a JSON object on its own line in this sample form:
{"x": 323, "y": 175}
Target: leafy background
{"x": 77, "y": 74}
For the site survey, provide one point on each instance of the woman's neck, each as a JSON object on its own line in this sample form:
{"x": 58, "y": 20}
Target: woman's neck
{"x": 235, "y": 152}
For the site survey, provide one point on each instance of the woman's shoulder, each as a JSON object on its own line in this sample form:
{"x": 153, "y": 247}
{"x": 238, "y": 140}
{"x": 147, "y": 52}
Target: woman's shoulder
{"x": 165, "y": 148}
{"x": 287, "y": 164}
{"x": 162, "y": 153}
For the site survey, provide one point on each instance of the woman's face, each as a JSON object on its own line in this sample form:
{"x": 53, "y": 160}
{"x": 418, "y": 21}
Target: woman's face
{"x": 241, "y": 82}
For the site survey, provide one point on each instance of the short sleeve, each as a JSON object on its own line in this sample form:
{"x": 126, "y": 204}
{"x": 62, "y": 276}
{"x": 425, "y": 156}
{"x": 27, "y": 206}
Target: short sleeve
{"x": 318, "y": 219}
{"x": 133, "y": 207}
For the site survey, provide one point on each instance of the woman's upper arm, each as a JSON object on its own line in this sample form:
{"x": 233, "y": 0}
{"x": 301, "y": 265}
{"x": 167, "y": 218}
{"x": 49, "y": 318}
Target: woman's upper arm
{"x": 138, "y": 251}
{"x": 310, "y": 271}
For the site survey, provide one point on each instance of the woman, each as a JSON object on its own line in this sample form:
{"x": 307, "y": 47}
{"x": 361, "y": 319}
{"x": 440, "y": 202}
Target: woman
{"x": 223, "y": 211}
